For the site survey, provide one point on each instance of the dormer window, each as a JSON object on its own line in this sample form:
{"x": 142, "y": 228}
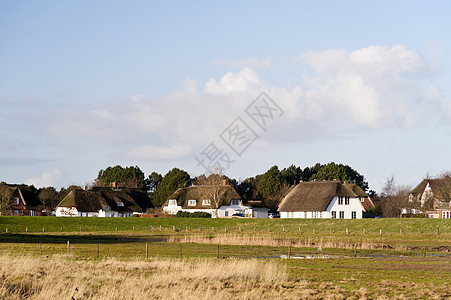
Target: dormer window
{"x": 235, "y": 202}
{"x": 107, "y": 208}
{"x": 172, "y": 202}
{"x": 191, "y": 202}
{"x": 206, "y": 202}
{"x": 16, "y": 201}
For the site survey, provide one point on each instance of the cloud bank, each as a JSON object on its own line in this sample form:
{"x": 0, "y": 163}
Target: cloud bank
{"x": 340, "y": 92}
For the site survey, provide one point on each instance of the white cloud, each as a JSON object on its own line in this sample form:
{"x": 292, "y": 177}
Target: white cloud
{"x": 341, "y": 92}
{"x": 246, "y": 80}
{"x": 370, "y": 87}
{"x": 48, "y": 178}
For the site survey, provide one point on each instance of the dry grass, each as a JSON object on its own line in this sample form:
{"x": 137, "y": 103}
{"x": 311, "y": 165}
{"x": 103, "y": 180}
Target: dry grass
{"x": 62, "y": 277}
{"x": 66, "y": 277}
{"x": 262, "y": 240}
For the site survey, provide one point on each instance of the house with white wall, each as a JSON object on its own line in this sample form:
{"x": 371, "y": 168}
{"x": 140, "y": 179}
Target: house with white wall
{"x": 321, "y": 199}
{"x": 218, "y": 200}
{"x": 103, "y": 202}
{"x": 431, "y": 197}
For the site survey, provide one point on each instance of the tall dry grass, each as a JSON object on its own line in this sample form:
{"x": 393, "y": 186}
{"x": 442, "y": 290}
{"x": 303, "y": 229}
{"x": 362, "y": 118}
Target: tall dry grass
{"x": 63, "y": 277}
{"x": 261, "y": 240}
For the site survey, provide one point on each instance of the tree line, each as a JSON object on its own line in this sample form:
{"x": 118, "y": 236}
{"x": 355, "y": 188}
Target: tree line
{"x": 268, "y": 187}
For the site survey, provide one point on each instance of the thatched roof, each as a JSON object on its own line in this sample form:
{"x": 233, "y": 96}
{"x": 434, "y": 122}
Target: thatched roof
{"x": 203, "y": 192}
{"x": 314, "y": 195}
{"x": 356, "y": 189}
{"x": 133, "y": 200}
{"x": 29, "y": 198}
{"x": 438, "y": 187}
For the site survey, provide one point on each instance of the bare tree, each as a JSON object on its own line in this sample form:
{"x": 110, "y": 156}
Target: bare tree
{"x": 212, "y": 184}
{"x": 394, "y": 198}
{"x": 5, "y": 199}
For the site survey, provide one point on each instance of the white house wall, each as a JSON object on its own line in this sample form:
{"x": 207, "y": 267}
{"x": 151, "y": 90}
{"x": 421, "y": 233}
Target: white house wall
{"x": 354, "y": 206}
{"x": 66, "y": 212}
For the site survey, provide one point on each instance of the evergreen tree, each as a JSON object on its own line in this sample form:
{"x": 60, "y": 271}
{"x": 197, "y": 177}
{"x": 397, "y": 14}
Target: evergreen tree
{"x": 173, "y": 180}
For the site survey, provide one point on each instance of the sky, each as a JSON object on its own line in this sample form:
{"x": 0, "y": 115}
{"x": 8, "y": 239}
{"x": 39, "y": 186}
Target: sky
{"x": 161, "y": 84}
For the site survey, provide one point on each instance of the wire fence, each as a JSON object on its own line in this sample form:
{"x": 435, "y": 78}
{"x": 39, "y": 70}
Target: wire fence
{"x": 136, "y": 248}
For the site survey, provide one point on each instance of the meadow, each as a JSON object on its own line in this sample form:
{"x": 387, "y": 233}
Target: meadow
{"x": 157, "y": 258}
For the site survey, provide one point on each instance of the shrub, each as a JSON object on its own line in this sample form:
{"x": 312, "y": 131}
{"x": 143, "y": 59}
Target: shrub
{"x": 197, "y": 214}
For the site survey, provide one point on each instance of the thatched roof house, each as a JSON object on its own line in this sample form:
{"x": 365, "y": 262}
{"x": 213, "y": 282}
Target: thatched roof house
{"x": 431, "y": 196}
{"x": 24, "y": 202}
{"x": 217, "y": 200}
{"x": 104, "y": 202}
{"x": 225, "y": 195}
{"x": 321, "y": 199}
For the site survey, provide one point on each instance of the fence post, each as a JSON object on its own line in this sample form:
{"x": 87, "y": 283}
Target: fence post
{"x": 400, "y": 230}
{"x": 147, "y": 250}
{"x": 43, "y": 228}
{"x": 438, "y": 231}
{"x": 68, "y": 247}
{"x": 116, "y": 228}
{"x": 347, "y": 231}
{"x": 61, "y": 229}
{"x": 283, "y": 228}
{"x": 289, "y": 251}
{"x": 26, "y": 229}
{"x": 6, "y": 229}
{"x": 98, "y": 250}
{"x": 380, "y": 231}
{"x": 80, "y": 228}
{"x": 133, "y": 227}
{"x": 217, "y": 252}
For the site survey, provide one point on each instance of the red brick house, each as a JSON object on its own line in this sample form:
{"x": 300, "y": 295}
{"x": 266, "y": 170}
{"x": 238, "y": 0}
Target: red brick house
{"x": 24, "y": 202}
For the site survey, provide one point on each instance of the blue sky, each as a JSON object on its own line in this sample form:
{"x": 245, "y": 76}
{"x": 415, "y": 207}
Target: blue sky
{"x": 89, "y": 84}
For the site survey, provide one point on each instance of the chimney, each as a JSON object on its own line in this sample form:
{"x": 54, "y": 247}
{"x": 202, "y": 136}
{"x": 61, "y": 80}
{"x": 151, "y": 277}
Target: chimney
{"x": 114, "y": 184}
{"x": 225, "y": 182}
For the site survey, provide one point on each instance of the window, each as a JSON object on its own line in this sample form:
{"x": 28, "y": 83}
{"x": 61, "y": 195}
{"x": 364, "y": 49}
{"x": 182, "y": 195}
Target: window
{"x": 290, "y": 214}
{"x": 235, "y": 202}
{"x": 353, "y": 215}
{"x": 342, "y": 214}
{"x": 120, "y": 204}
{"x": 340, "y": 200}
{"x": 16, "y": 201}
{"x": 107, "y": 208}
{"x": 362, "y": 199}
{"x": 191, "y": 202}
{"x": 32, "y": 213}
{"x": 21, "y": 212}
{"x": 172, "y": 202}
{"x": 226, "y": 213}
{"x": 346, "y": 200}
{"x": 206, "y": 202}
{"x": 334, "y": 215}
